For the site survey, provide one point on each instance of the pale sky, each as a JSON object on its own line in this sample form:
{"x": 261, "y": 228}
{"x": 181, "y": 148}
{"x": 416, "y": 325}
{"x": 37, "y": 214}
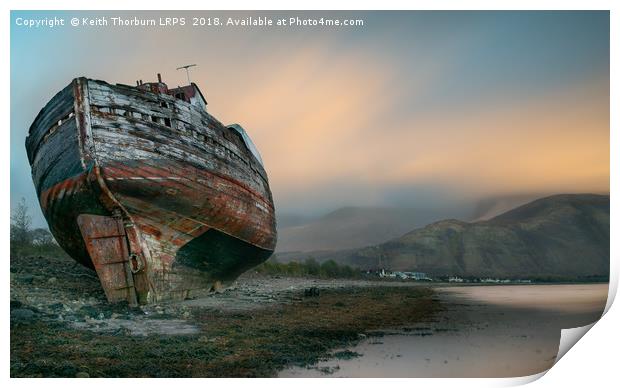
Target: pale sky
{"x": 412, "y": 109}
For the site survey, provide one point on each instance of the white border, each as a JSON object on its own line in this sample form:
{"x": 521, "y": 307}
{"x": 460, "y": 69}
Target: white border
{"x": 314, "y": 5}
{"x": 591, "y": 363}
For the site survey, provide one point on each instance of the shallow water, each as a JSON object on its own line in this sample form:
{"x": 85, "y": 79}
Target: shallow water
{"x": 483, "y": 331}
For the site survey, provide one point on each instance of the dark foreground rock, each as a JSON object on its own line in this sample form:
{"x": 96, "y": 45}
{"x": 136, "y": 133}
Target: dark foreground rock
{"x": 22, "y": 315}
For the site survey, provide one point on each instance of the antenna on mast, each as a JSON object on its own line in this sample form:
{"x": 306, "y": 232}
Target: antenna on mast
{"x": 186, "y": 67}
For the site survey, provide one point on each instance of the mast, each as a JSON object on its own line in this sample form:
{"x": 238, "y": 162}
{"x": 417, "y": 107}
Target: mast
{"x": 186, "y": 67}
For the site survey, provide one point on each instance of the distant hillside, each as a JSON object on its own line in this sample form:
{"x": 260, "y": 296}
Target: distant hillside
{"x": 350, "y": 227}
{"x": 287, "y": 220}
{"x": 488, "y": 208}
{"x": 563, "y": 236}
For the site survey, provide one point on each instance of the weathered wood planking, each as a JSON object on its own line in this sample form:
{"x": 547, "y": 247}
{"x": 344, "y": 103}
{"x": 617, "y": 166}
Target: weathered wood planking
{"x": 194, "y": 200}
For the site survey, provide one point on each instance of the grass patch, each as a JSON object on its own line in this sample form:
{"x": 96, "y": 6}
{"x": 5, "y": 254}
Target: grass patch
{"x": 346, "y": 355}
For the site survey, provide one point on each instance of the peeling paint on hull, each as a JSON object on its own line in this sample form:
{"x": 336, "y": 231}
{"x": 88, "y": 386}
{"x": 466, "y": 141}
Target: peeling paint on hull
{"x": 150, "y": 190}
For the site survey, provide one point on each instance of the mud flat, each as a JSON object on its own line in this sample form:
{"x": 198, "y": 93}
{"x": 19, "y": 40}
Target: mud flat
{"x": 61, "y": 324}
{"x": 481, "y": 331}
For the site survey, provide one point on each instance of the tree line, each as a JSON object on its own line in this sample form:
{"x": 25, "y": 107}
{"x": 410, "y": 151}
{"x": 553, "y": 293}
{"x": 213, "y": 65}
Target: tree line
{"x": 308, "y": 268}
{"x": 28, "y": 241}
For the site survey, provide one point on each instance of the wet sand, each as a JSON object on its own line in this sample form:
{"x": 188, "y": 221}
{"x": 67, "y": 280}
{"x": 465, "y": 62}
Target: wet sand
{"x": 483, "y": 331}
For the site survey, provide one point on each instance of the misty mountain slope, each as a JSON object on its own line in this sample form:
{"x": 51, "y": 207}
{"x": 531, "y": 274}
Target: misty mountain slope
{"x": 288, "y": 220}
{"x": 557, "y": 236}
{"x": 351, "y": 227}
{"x": 488, "y": 208}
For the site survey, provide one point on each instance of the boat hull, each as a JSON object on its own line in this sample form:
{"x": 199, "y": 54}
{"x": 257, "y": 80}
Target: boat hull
{"x": 155, "y": 194}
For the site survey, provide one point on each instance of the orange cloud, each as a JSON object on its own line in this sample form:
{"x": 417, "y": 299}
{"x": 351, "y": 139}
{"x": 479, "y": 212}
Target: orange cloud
{"x": 553, "y": 143}
{"x": 319, "y": 114}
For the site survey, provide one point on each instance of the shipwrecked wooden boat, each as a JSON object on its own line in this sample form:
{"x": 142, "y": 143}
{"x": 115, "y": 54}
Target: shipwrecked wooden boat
{"x": 146, "y": 187}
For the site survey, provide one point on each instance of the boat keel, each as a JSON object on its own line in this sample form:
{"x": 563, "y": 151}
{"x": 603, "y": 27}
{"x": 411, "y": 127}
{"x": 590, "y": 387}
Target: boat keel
{"x": 122, "y": 273}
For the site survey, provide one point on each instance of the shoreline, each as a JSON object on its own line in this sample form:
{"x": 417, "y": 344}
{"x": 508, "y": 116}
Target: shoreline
{"x": 479, "y": 332}
{"x": 62, "y": 326}
{"x": 65, "y": 328}
{"x": 215, "y": 343}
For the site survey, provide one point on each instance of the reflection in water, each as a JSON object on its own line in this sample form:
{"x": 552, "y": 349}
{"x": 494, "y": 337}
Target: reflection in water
{"x": 483, "y": 331}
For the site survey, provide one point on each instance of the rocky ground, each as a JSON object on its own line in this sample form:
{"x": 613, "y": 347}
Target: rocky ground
{"x": 61, "y": 324}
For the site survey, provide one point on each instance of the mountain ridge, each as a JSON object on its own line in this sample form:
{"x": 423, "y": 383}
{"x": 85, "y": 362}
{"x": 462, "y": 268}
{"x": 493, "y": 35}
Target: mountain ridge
{"x": 351, "y": 227}
{"x": 559, "y": 236}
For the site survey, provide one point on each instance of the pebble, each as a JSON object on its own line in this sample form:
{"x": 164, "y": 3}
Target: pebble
{"x": 52, "y": 280}
{"x": 82, "y": 375}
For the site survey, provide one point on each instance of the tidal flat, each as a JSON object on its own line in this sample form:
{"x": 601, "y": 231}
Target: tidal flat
{"x": 271, "y": 326}
{"x": 61, "y": 325}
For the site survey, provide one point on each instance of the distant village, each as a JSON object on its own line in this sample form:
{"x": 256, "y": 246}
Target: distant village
{"x": 421, "y": 276}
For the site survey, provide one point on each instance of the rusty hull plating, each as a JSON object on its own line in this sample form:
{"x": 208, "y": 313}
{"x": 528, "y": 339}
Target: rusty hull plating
{"x": 143, "y": 185}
